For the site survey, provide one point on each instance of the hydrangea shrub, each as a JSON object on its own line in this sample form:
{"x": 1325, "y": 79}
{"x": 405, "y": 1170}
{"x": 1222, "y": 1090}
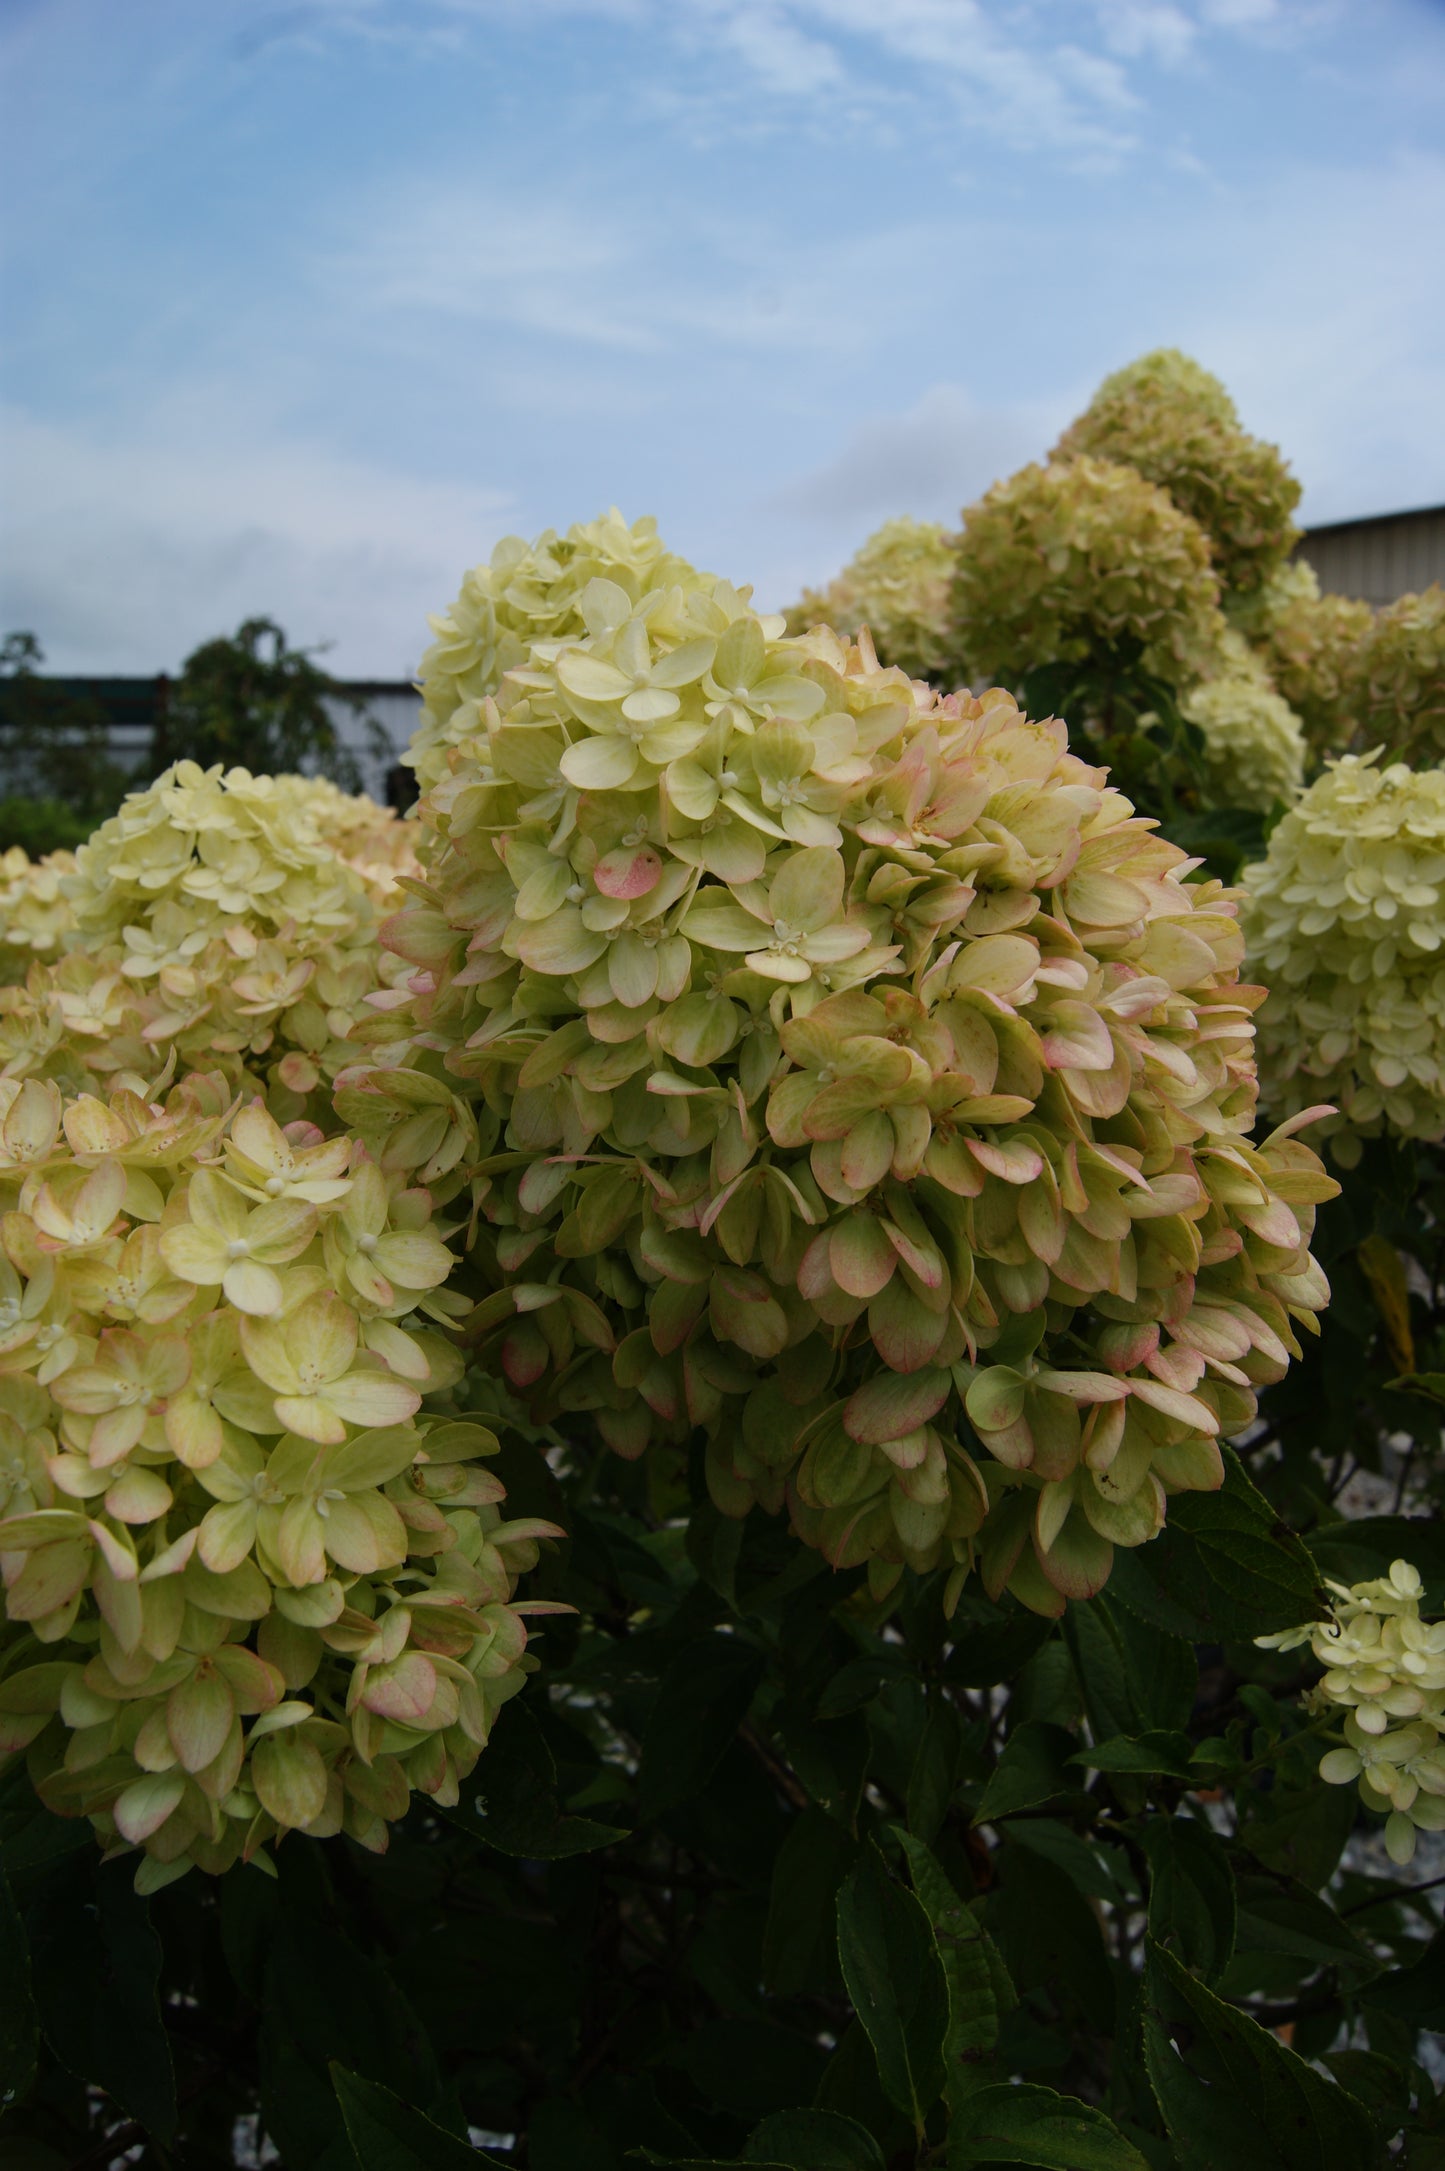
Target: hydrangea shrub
{"x": 897, "y": 585}
{"x": 854, "y": 1077}
{"x": 1342, "y": 920}
{"x": 1062, "y": 560}
{"x": 1175, "y": 425}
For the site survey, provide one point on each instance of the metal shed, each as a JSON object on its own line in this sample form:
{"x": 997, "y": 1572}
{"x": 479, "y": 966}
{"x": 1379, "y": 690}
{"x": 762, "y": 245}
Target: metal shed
{"x": 1378, "y": 559}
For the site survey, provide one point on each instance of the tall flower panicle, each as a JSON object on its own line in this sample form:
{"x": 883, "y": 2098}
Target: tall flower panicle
{"x": 1085, "y": 552}
{"x": 838, "y": 1069}
{"x": 1175, "y": 425}
{"x": 1385, "y": 1671}
{"x": 1344, "y": 922}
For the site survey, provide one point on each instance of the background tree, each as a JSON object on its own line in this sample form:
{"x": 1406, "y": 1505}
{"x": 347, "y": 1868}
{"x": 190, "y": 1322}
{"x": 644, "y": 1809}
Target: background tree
{"x": 58, "y": 778}
{"x": 250, "y": 700}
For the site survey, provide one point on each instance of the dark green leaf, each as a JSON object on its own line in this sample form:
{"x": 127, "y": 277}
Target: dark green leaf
{"x": 511, "y": 1799}
{"x": 1224, "y": 1568}
{"x": 935, "y": 1768}
{"x": 1303, "y": 1835}
{"x": 976, "y": 1977}
{"x": 1191, "y": 1890}
{"x": 1034, "y": 1768}
{"x": 988, "y": 1652}
{"x": 799, "y": 1942}
{"x": 328, "y": 2001}
{"x": 1158, "y": 1751}
{"x": 1414, "y": 1994}
{"x": 831, "y": 1759}
{"x": 17, "y": 2007}
{"x": 99, "y": 1934}
{"x": 1022, "y": 2123}
{"x": 895, "y": 1980}
{"x": 389, "y": 2135}
{"x": 703, "y": 1699}
{"x": 813, "y": 2141}
{"x": 1277, "y": 1915}
{"x": 1098, "y": 1870}
{"x": 1233, "y": 2094}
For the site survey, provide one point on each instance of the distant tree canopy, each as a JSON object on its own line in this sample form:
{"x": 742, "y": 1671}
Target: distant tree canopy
{"x": 252, "y": 701}
{"x": 57, "y": 776}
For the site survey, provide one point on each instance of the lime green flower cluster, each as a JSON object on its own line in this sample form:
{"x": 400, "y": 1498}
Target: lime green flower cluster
{"x": 1174, "y": 424}
{"x": 1343, "y": 921}
{"x": 897, "y": 586}
{"x": 36, "y": 919}
{"x": 1386, "y": 1672}
{"x": 249, "y": 1587}
{"x": 850, "y": 1074}
{"x": 1254, "y": 742}
{"x": 1310, "y": 642}
{"x": 1061, "y": 560}
{"x": 527, "y": 592}
{"x": 230, "y": 918}
{"x": 1397, "y": 683}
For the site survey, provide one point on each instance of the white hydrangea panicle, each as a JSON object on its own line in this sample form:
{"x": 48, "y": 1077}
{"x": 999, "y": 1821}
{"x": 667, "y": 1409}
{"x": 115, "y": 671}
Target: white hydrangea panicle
{"x": 836, "y": 1067}
{"x": 256, "y": 1579}
{"x": 1385, "y": 1670}
{"x": 1254, "y": 742}
{"x": 1344, "y": 923}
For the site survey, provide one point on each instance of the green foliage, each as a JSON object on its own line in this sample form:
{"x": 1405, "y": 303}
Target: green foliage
{"x": 57, "y": 778}
{"x": 655, "y": 1988}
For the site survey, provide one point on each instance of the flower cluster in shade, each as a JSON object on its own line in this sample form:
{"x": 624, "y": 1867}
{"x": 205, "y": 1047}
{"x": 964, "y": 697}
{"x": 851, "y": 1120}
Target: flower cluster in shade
{"x": 839, "y": 1068}
{"x": 1345, "y": 923}
{"x": 229, "y": 918}
{"x": 1254, "y": 744}
{"x": 1309, "y": 643}
{"x": 1397, "y": 688}
{"x": 1174, "y": 424}
{"x": 897, "y": 585}
{"x": 1084, "y": 554}
{"x": 1385, "y": 1670}
{"x": 255, "y": 1578}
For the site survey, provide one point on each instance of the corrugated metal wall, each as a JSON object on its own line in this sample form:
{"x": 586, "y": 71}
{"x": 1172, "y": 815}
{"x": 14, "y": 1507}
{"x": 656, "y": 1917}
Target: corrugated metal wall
{"x": 1378, "y": 560}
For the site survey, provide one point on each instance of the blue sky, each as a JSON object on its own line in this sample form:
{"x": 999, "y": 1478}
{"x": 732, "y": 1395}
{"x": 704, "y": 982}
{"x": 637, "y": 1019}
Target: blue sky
{"x": 305, "y": 305}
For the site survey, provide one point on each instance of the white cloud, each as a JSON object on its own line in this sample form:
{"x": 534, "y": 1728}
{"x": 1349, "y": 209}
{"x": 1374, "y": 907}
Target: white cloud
{"x": 937, "y": 456}
{"x": 136, "y": 545}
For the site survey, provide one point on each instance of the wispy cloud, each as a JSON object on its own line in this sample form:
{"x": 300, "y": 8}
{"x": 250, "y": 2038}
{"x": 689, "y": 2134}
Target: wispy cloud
{"x": 137, "y": 545}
